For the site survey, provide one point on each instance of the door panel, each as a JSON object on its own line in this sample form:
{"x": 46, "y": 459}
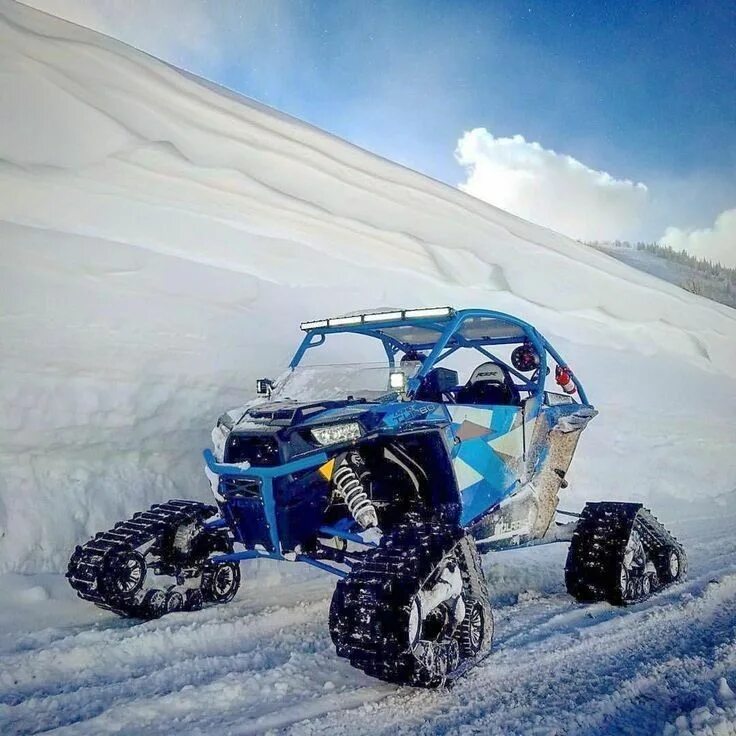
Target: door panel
{"x": 488, "y": 457}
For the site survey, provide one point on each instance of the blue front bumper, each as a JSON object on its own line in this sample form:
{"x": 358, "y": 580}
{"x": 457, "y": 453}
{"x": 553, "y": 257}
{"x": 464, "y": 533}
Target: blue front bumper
{"x": 265, "y": 478}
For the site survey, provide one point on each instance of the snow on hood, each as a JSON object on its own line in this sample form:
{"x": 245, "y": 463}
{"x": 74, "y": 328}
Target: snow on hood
{"x": 162, "y": 239}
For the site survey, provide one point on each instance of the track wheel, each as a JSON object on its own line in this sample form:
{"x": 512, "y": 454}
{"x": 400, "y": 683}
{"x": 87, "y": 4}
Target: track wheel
{"x": 124, "y": 574}
{"x": 635, "y": 571}
{"x": 621, "y": 553}
{"x": 174, "y": 601}
{"x": 193, "y": 600}
{"x": 673, "y": 565}
{"x": 154, "y": 603}
{"x": 473, "y": 629}
{"x": 416, "y": 610}
{"x": 220, "y": 581}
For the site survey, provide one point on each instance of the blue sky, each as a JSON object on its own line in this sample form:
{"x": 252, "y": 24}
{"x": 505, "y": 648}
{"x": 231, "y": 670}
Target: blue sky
{"x": 644, "y": 91}
{"x": 630, "y": 87}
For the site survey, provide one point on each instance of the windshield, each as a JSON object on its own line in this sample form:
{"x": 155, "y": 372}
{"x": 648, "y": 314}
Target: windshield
{"x": 337, "y": 382}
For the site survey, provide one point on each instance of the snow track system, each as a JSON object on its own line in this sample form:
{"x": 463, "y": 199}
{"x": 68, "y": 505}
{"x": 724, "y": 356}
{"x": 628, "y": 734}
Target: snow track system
{"x": 416, "y": 610}
{"x": 620, "y": 553}
{"x": 155, "y": 563}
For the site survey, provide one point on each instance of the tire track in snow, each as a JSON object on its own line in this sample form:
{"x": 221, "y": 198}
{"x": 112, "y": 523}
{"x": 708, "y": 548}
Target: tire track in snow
{"x": 98, "y": 651}
{"x": 84, "y": 675}
{"x": 266, "y": 662}
{"x": 629, "y": 672}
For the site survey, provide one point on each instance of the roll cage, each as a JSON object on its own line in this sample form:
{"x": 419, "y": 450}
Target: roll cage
{"x": 441, "y": 331}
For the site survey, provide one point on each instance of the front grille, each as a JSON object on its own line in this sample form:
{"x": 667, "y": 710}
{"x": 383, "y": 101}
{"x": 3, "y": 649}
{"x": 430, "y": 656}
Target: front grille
{"x": 243, "y": 487}
{"x": 259, "y": 451}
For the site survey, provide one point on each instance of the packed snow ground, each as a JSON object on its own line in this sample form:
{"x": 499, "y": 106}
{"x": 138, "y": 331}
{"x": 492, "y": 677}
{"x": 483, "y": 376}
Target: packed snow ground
{"x": 266, "y": 662}
{"x": 160, "y": 240}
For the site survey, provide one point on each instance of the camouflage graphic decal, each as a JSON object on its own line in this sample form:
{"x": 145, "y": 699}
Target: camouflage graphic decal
{"x": 489, "y": 457}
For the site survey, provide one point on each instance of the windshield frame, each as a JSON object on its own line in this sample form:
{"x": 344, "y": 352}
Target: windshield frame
{"x": 349, "y": 374}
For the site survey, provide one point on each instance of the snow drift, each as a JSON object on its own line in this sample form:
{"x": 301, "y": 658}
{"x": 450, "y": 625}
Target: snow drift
{"x": 161, "y": 239}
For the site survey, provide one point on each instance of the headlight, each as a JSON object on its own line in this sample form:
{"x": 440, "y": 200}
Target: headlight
{"x": 334, "y": 433}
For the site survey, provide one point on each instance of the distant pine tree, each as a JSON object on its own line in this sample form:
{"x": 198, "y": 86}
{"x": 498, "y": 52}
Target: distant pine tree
{"x": 706, "y": 278}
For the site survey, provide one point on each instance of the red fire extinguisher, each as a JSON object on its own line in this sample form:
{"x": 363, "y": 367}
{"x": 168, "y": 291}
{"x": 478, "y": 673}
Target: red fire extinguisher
{"x": 563, "y": 376}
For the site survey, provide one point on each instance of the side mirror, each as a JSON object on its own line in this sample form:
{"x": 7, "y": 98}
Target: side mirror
{"x": 264, "y": 386}
{"x": 225, "y": 420}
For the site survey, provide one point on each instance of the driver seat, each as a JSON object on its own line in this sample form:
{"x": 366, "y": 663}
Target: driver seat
{"x": 490, "y": 385}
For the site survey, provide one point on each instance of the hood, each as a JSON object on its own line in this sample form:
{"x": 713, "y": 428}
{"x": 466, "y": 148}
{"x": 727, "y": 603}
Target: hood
{"x": 281, "y": 414}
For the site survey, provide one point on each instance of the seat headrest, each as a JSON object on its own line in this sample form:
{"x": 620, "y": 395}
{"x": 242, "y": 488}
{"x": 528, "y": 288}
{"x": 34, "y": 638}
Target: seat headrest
{"x": 488, "y": 372}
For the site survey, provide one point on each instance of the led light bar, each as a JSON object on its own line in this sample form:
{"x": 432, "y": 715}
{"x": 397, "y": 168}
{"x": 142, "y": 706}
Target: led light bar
{"x": 313, "y": 325}
{"x": 429, "y": 312}
{"x": 382, "y": 316}
{"x": 372, "y": 317}
{"x": 340, "y": 321}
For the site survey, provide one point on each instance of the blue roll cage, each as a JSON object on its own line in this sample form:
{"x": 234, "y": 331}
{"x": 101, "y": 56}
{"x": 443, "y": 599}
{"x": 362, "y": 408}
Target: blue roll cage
{"x": 449, "y": 340}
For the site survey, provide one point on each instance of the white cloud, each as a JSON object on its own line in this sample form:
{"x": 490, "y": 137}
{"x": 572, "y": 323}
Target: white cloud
{"x": 717, "y": 243}
{"x": 178, "y": 31}
{"x": 550, "y": 188}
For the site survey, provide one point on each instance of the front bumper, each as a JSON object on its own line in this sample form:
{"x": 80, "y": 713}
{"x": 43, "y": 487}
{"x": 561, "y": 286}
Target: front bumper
{"x": 265, "y": 506}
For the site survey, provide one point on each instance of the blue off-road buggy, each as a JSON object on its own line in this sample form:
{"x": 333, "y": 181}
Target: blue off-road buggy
{"x": 393, "y": 477}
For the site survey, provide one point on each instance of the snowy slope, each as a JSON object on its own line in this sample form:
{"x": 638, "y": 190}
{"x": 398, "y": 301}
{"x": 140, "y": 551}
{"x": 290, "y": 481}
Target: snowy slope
{"x": 160, "y": 240}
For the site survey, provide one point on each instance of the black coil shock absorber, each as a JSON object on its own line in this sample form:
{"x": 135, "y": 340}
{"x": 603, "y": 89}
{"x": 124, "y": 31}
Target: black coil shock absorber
{"x": 350, "y": 479}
